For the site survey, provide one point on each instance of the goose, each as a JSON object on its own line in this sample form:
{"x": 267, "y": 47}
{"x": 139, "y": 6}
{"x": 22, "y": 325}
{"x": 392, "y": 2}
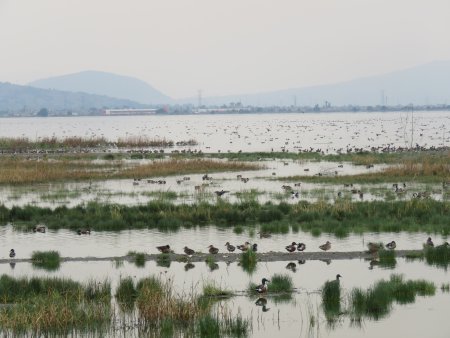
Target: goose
{"x": 213, "y": 250}
{"x": 292, "y": 247}
{"x": 429, "y": 242}
{"x": 391, "y": 246}
{"x": 164, "y": 249}
{"x": 230, "y": 247}
{"x": 188, "y": 251}
{"x": 301, "y": 246}
{"x": 263, "y": 287}
{"x": 39, "y": 228}
{"x": 326, "y": 246}
{"x": 12, "y": 253}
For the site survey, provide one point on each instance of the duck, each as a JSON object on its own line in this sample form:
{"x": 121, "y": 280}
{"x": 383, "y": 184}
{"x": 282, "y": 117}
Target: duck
{"x": 221, "y": 192}
{"x": 337, "y": 278}
{"x": 429, "y": 242}
{"x": 301, "y": 246}
{"x": 164, "y": 249}
{"x": 264, "y": 235}
{"x": 188, "y": 251}
{"x": 326, "y": 246}
{"x": 263, "y": 287}
{"x": 84, "y": 231}
{"x": 391, "y": 245}
{"x": 373, "y": 247}
{"x": 39, "y": 228}
{"x": 213, "y": 250}
{"x": 243, "y": 247}
{"x": 292, "y": 247}
{"x": 230, "y": 247}
{"x": 12, "y": 253}
{"x": 254, "y": 247}
{"x": 291, "y": 266}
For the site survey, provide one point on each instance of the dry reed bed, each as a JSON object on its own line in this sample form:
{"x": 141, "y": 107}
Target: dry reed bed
{"x": 21, "y": 171}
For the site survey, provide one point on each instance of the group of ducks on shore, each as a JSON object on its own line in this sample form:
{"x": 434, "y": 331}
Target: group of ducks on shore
{"x": 211, "y": 249}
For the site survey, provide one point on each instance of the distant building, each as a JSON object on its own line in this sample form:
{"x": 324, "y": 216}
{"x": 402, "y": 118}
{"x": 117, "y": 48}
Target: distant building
{"x": 121, "y": 112}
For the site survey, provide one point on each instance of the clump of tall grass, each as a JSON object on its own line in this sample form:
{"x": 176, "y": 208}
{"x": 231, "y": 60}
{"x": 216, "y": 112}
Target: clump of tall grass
{"x": 377, "y": 301}
{"x": 210, "y": 289}
{"x": 48, "y": 260}
{"x": 438, "y": 256}
{"x": 212, "y": 326}
{"x": 387, "y": 259}
{"x": 163, "y": 260}
{"x": 126, "y": 293}
{"x": 138, "y": 258}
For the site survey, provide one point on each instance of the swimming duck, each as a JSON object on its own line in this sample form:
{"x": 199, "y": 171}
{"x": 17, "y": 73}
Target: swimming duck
{"x": 243, "y": 247}
{"x": 326, "y": 246}
{"x": 188, "y": 251}
{"x": 429, "y": 242}
{"x": 291, "y": 266}
{"x": 391, "y": 246}
{"x": 220, "y": 193}
{"x": 164, "y": 249}
{"x": 12, "y": 253}
{"x": 292, "y": 247}
{"x": 301, "y": 246}
{"x": 39, "y": 228}
{"x": 84, "y": 231}
{"x": 230, "y": 247}
{"x": 213, "y": 250}
{"x": 263, "y": 287}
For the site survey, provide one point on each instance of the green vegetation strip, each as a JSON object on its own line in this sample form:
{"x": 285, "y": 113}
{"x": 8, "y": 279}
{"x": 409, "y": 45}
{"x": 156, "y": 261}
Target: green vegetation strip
{"x": 340, "y": 218}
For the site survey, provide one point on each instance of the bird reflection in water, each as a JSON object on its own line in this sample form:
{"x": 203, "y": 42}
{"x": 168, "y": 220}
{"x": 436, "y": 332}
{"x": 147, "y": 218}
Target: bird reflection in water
{"x": 263, "y": 303}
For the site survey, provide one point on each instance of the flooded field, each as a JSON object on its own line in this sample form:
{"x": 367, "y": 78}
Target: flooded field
{"x": 383, "y": 193}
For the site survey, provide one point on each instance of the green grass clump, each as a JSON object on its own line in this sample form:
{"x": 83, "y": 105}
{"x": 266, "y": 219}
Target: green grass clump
{"x": 126, "y": 293}
{"x": 48, "y": 260}
{"x": 387, "y": 259}
{"x": 209, "y": 326}
{"x": 377, "y": 301}
{"x": 438, "y": 256}
{"x": 211, "y": 289}
{"x": 138, "y": 258}
{"x": 331, "y": 299}
{"x": 281, "y": 283}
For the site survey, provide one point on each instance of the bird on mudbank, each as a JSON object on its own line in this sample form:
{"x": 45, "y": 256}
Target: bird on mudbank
{"x": 12, "y": 253}
{"x": 188, "y": 251}
{"x": 230, "y": 247}
{"x": 292, "y": 247}
{"x": 243, "y": 247}
{"x": 326, "y": 246}
{"x": 391, "y": 246}
{"x": 262, "y": 288}
{"x": 164, "y": 249}
{"x": 301, "y": 246}
{"x": 213, "y": 250}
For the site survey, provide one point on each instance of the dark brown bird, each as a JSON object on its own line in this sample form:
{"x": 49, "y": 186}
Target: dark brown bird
{"x": 188, "y": 251}
{"x": 301, "y": 246}
{"x": 230, "y": 247}
{"x": 213, "y": 250}
{"x": 220, "y": 193}
{"x": 429, "y": 242}
{"x": 164, "y": 248}
{"x": 326, "y": 246}
{"x": 292, "y": 247}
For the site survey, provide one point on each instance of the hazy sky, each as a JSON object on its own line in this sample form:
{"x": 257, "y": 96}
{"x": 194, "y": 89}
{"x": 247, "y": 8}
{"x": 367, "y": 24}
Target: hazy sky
{"x": 222, "y": 47}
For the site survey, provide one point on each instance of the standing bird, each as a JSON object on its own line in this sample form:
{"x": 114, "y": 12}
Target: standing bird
{"x": 164, "y": 249}
{"x": 326, "y": 246}
{"x": 301, "y": 246}
{"x": 188, "y": 251}
{"x": 263, "y": 287}
{"x": 391, "y": 246}
{"x": 12, "y": 253}
{"x": 230, "y": 247}
{"x": 429, "y": 242}
{"x": 213, "y": 250}
{"x": 292, "y": 247}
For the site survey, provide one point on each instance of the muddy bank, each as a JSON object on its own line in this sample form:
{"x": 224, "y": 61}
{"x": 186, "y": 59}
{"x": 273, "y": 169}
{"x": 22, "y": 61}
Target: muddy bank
{"x": 234, "y": 257}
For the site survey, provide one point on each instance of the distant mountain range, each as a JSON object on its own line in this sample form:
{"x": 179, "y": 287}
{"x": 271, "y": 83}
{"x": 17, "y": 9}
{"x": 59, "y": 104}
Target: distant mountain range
{"x": 421, "y": 85}
{"x": 101, "y": 83}
{"x": 15, "y": 98}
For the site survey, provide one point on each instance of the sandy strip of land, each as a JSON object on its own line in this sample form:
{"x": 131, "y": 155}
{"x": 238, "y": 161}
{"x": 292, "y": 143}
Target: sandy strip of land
{"x": 234, "y": 257}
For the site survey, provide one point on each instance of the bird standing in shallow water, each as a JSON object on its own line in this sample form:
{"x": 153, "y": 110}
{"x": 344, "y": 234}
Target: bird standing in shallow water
{"x": 230, "y": 247}
{"x": 391, "y": 246}
{"x": 326, "y": 246}
{"x": 263, "y": 287}
{"x": 213, "y": 250}
{"x": 12, "y": 253}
